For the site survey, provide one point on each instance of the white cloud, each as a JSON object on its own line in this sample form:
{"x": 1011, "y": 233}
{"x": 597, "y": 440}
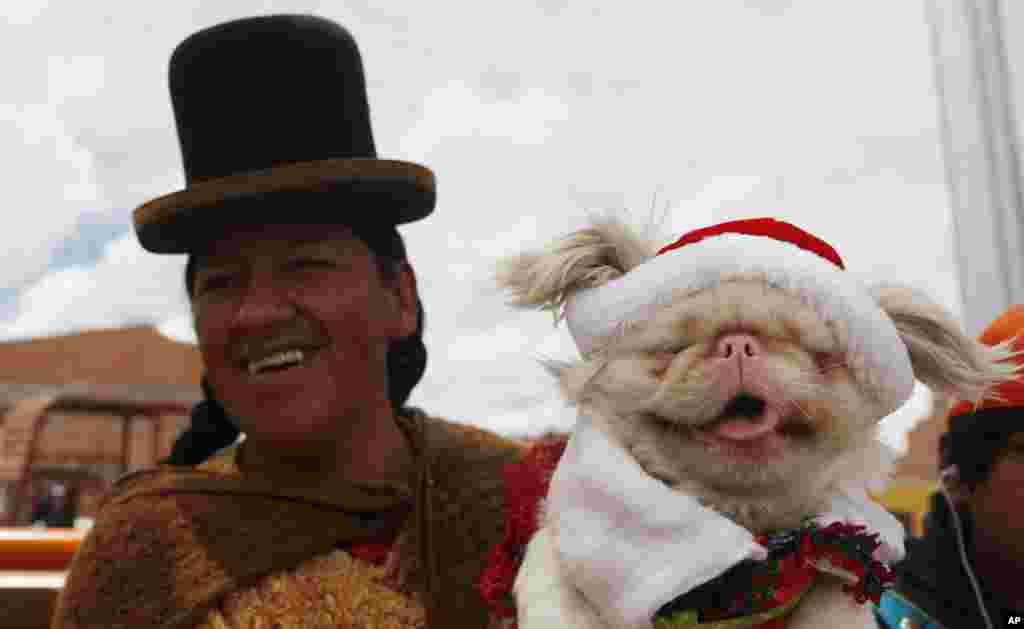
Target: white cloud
{"x": 24, "y": 12}
{"x": 75, "y": 77}
{"x": 128, "y": 286}
{"x": 458, "y": 111}
{"x": 179, "y": 328}
{"x": 50, "y": 182}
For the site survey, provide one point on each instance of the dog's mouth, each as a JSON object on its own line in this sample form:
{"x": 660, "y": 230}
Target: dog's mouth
{"x": 746, "y": 406}
{"x": 745, "y": 417}
{"x": 754, "y": 429}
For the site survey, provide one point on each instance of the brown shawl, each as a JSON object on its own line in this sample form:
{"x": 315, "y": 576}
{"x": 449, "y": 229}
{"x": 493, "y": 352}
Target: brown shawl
{"x": 170, "y": 543}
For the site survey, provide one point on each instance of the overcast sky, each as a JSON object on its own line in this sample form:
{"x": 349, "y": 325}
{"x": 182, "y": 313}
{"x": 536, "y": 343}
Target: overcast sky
{"x": 820, "y": 112}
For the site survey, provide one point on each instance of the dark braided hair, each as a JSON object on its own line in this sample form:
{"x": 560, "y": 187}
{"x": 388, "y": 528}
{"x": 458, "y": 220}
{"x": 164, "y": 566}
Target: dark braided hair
{"x": 211, "y": 428}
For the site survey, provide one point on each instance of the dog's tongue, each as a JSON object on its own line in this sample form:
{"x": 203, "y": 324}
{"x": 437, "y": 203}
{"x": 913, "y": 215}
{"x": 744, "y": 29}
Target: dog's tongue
{"x": 742, "y": 429}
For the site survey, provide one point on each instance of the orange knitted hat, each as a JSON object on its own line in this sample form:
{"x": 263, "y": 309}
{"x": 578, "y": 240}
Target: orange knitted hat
{"x": 1009, "y": 325}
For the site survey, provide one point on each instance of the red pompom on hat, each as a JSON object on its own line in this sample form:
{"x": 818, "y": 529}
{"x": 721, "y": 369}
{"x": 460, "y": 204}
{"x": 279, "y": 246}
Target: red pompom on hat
{"x": 785, "y": 257}
{"x": 1010, "y": 394}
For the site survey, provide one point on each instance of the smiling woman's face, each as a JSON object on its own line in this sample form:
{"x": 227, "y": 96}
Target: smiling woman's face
{"x": 294, "y": 324}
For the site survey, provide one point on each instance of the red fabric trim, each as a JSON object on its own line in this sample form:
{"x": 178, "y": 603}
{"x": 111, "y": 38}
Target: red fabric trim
{"x": 526, "y": 484}
{"x": 768, "y": 227}
{"x": 375, "y": 553}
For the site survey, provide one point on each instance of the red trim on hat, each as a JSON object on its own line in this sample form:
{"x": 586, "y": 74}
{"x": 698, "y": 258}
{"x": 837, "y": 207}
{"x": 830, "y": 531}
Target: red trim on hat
{"x": 768, "y": 227}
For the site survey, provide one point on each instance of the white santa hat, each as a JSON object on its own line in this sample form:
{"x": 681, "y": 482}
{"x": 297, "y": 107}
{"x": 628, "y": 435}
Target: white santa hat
{"x": 787, "y": 258}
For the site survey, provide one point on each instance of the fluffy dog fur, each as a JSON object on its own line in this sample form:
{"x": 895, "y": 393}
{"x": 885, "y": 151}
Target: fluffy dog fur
{"x": 654, "y": 392}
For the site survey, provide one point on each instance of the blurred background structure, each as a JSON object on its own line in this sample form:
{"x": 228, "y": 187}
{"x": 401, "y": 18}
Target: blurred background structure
{"x": 103, "y": 380}
{"x": 981, "y": 139}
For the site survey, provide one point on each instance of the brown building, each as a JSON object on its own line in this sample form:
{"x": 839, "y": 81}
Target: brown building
{"x": 136, "y": 356}
{"x": 135, "y": 364}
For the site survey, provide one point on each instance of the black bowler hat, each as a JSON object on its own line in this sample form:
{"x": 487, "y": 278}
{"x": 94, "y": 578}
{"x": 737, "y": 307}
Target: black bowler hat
{"x": 275, "y": 108}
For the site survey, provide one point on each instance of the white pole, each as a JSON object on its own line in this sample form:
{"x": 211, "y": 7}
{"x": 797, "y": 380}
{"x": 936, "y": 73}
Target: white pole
{"x": 980, "y": 149}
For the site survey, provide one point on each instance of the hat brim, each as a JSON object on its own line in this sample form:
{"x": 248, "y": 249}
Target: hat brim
{"x": 346, "y": 190}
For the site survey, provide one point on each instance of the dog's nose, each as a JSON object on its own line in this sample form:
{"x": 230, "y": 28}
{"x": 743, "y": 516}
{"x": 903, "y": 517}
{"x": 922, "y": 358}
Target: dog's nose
{"x": 737, "y": 344}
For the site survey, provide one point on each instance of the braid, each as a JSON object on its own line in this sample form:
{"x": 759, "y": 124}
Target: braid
{"x": 210, "y": 429}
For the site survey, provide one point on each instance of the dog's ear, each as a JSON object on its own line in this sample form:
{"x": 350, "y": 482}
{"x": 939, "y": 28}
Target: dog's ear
{"x": 584, "y": 259}
{"x": 943, "y": 357}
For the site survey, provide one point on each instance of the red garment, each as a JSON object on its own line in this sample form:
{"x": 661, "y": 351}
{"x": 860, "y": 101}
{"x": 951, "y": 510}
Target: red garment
{"x": 526, "y": 484}
{"x": 375, "y": 553}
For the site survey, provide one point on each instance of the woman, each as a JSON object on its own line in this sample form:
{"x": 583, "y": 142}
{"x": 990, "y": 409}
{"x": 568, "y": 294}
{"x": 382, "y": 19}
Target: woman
{"x": 340, "y": 508}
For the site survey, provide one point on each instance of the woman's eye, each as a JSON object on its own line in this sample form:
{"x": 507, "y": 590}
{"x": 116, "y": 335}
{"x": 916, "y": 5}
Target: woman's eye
{"x": 217, "y": 282}
{"x": 307, "y": 263}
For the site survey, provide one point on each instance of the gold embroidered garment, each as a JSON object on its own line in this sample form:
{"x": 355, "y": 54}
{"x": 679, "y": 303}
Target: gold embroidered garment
{"x": 342, "y": 589}
{"x": 328, "y": 592}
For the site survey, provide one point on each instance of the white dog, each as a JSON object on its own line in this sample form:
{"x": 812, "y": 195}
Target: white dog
{"x": 730, "y": 389}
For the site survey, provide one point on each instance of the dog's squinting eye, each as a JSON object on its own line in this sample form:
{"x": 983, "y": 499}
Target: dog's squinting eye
{"x": 674, "y": 348}
{"x": 662, "y": 361}
{"x": 827, "y": 362}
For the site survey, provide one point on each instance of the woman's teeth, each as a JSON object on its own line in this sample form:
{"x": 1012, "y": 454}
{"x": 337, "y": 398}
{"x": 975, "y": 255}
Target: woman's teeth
{"x": 290, "y": 357}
